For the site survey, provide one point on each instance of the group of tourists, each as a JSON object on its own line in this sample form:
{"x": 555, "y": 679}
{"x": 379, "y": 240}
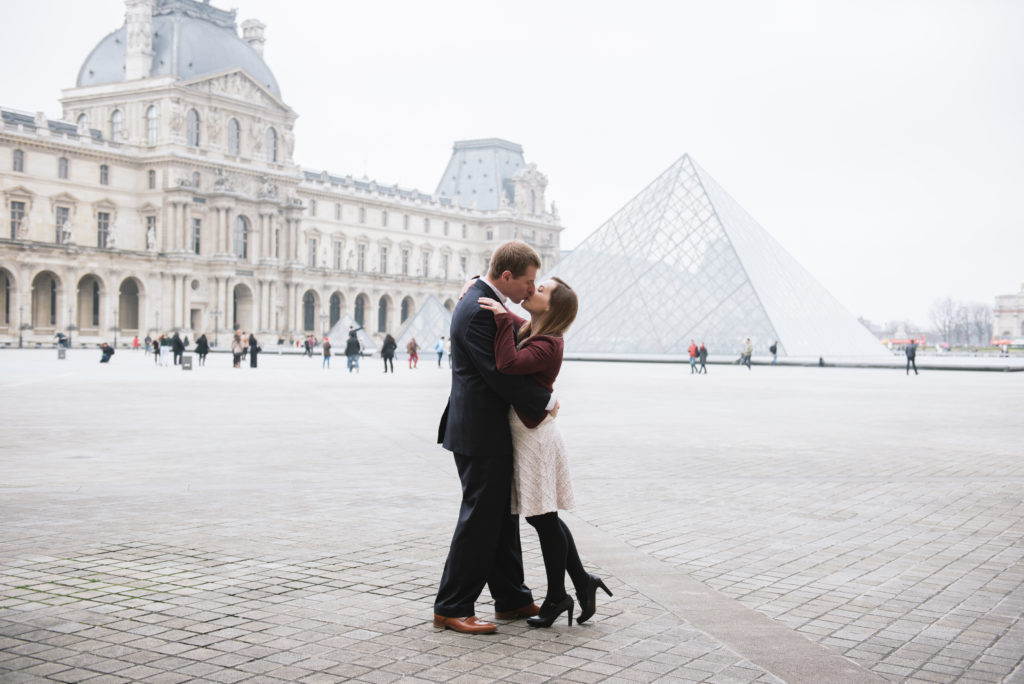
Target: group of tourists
{"x": 353, "y": 350}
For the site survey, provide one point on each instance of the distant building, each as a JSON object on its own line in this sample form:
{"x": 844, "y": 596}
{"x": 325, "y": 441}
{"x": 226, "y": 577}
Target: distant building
{"x": 167, "y": 198}
{"x": 1008, "y": 316}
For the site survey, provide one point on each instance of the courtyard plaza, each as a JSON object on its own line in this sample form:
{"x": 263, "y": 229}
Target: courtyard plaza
{"x": 290, "y": 524}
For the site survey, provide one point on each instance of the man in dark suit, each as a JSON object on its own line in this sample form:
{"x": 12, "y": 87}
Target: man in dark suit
{"x": 485, "y": 547}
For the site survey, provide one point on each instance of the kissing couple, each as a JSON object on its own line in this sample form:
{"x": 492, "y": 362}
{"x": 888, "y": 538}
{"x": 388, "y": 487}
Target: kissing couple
{"x": 510, "y": 455}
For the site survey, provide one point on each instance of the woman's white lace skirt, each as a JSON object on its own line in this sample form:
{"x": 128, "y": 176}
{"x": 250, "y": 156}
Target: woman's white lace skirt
{"x": 540, "y": 477}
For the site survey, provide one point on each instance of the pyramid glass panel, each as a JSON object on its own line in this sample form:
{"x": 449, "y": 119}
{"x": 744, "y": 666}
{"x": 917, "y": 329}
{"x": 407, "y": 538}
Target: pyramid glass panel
{"x": 428, "y": 324}
{"x": 339, "y": 335}
{"x": 682, "y": 260}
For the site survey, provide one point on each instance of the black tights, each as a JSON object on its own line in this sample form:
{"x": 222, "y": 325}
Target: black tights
{"x": 560, "y": 555}
{"x": 387, "y": 360}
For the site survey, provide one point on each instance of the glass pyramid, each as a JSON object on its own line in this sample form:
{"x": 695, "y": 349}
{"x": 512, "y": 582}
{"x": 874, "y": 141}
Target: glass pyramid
{"x": 682, "y": 260}
{"x": 339, "y": 335}
{"x": 427, "y": 325}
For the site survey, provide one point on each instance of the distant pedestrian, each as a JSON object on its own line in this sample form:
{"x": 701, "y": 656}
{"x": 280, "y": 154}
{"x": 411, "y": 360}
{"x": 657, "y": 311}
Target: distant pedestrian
{"x": 412, "y": 348}
{"x": 448, "y": 350}
{"x": 245, "y": 345}
{"x": 149, "y": 343}
{"x": 202, "y": 349}
{"x": 106, "y": 352}
{"x": 178, "y": 347}
{"x": 308, "y": 346}
{"x": 352, "y": 349}
{"x": 135, "y": 343}
{"x": 692, "y": 351}
{"x": 911, "y": 351}
{"x": 702, "y": 354}
{"x": 748, "y": 351}
{"x": 439, "y": 349}
{"x": 236, "y": 350}
{"x": 165, "y": 346}
{"x": 774, "y": 349}
{"x": 254, "y": 350}
{"x": 327, "y": 354}
{"x": 387, "y": 352}
{"x": 156, "y": 352}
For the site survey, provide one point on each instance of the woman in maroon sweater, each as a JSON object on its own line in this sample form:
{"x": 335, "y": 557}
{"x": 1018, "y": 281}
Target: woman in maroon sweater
{"x": 541, "y": 485}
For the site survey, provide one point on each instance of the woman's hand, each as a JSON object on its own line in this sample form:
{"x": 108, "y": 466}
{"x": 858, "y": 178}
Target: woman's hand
{"x": 491, "y": 305}
{"x": 465, "y": 288}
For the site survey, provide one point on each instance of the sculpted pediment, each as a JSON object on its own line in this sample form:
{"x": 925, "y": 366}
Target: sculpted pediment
{"x": 239, "y": 85}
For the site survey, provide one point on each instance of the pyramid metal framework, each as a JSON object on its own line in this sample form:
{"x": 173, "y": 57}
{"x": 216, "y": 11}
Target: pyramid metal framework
{"x": 339, "y": 336}
{"x": 683, "y": 260}
{"x": 427, "y": 325}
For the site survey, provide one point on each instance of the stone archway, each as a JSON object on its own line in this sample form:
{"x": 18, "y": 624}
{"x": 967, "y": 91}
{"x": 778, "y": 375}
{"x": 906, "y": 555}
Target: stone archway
{"x": 7, "y": 299}
{"x": 242, "y": 308}
{"x": 384, "y": 308}
{"x": 408, "y": 309}
{"x": 309, "y": 307}
{"x": 128, "y": 305}
{"x": 362, "y": 305}
{"x": 337, "y": 308}
{"x": 46, "y": 301}
{"x": 89, "y": 305}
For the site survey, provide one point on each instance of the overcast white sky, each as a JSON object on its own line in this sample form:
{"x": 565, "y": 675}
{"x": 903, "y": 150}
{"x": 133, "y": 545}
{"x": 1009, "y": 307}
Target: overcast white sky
{"x": 880, "y": 142}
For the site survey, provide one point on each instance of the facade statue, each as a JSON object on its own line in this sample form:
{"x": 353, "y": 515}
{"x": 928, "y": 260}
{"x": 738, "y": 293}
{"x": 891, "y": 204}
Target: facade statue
{"x": 112, "y": 235}
{"x": 66, "y": 235}
{"x": 151, "y": 238}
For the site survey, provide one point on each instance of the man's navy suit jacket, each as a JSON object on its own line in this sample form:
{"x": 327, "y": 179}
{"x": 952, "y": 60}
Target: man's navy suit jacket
{"x": 475, "y": 422}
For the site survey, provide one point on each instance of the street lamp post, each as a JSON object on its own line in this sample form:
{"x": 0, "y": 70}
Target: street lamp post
{"x": 21, "y": 325}
{"x": 216, "y": 324}
{"x": 116, "y": 321}
{"x": 71, "y": 324}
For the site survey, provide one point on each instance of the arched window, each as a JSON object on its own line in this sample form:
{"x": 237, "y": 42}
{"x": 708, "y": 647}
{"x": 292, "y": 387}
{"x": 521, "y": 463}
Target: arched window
{"x": 241, "y": 237}
{"x": 271, "y": 145}
{"x": 116, "y": 125}
{"x": 335, "y": 308}
{"x": 83, "y": 121}
{"x": 152, "y": 125}
{"x": 360, "y": 309}
{"x": 406, "y": 309}
{"x": 309, "y": 311}
{"x": 234, "y": 136}
{"x": 193, "y": 128}
{"x": 382, "y": 315}
{"x": 104, "y": 174}
{"x": 95, "y": 303}
{"x": 195, "y": 179}
{"x": 152, "y": 179}
{"x": 62, "y": 168}
{"x": 19, "y": 161}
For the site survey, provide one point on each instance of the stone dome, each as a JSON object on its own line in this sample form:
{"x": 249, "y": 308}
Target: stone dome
{"x": 184, "y": 45}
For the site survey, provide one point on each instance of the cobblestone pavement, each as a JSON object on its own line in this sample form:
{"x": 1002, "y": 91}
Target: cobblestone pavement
{"x": 290, "y": 524}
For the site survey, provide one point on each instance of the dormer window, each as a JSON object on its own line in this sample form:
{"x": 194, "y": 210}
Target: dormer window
{"x": 193, "y": 128}
{"x": 19, "y": 161}
{"x": 271, "y": 145}
{"x": 116, "y": 125}
{"x": 152, "y": 125}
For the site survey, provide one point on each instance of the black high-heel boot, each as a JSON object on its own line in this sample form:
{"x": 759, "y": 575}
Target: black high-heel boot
{"x": 549, "y": 612}
{"x": 588, "y": 598}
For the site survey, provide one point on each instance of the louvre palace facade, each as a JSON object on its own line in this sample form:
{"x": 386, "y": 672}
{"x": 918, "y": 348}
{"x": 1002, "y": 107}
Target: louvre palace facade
{"x": 167, "y": 198}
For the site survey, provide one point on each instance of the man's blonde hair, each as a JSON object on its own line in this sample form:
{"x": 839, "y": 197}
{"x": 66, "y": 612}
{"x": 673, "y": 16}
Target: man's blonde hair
{"x": 514, "y": 256}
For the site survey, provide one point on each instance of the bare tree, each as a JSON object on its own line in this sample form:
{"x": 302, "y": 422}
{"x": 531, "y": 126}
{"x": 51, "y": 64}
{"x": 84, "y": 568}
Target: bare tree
{"x": 943, "y": 317}
{"x": 981, "y": 322}
{"x": 962, "y": 327}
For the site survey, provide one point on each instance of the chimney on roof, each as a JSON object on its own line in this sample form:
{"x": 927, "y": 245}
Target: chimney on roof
{"x": 252, "y": 33}
{"x": 138, "y": 29}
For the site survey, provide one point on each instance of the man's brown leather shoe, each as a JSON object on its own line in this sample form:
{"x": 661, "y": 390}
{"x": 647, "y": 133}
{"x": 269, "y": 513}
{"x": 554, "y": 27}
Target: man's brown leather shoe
{"x": 529, "y": 610}
{"x": 466, "y": 625}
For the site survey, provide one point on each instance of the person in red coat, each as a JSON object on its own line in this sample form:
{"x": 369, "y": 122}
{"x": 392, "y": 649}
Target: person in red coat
{"x": 541, "y": 485}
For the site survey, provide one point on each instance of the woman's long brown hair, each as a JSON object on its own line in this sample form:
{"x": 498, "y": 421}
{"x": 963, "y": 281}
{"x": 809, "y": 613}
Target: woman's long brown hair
{"x": 562, "y": 308}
